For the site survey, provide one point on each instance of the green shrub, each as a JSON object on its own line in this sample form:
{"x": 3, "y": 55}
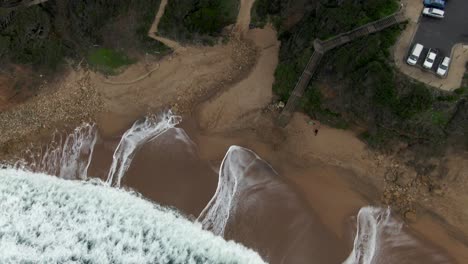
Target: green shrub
{"x": 27, "y": 40}
{"x": 416, "y": 101}
{"x": 378, "y": 138}
{"x": 439, "y": 118}
{"x": 461, "y": 91}
{"x": 42, "y": 35}
{"x": 107, "y": 60}
{"x": 190, "y": 21}
{"x": 286, "y": 76}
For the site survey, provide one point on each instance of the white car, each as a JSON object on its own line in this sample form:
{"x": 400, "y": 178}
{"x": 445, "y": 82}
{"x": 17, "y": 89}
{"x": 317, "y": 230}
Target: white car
{"x": 430, "y": 58}
{"x": 433, "y": 12}
{"x": 443, "y": 67}
{"x": 415, "y": 53}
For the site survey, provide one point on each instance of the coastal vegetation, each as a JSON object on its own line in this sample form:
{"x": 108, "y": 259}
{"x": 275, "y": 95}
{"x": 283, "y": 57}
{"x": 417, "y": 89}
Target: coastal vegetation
{"x": 200, "y": 21}
{"x": 108, "y": 61}
{"x": 44, "y": 35}
{"x": 357, "y": 84}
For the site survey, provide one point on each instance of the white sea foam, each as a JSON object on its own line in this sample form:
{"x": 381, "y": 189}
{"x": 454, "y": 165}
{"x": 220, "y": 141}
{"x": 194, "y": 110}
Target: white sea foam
{"x": 380, "y": 238}
{"x": 370, "y": 223}
{"x": 68, "y": 159}
{"x": 45, "y": 219}
{"x": 141, "y": 132}
{"x": 216, "y": 214}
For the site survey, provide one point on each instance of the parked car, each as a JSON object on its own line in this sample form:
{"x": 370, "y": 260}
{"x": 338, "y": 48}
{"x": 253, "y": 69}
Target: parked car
{"x": 430, "y": 58}
{"x": 439, "y": 4}
{"x": 433, "y": 12}
{"x": 443, "y": 67}
{"x": 415, "y": 53}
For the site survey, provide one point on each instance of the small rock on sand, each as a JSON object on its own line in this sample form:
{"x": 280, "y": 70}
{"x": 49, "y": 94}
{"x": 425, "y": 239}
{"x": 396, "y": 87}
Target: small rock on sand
{"x": 411, "y": 216}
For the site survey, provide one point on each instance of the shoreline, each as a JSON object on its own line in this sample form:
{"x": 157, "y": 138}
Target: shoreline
{"x": 226, "y": 92}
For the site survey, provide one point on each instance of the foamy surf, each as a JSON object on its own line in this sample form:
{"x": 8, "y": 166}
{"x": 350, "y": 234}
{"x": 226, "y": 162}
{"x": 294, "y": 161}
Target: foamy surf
{"x": 49, "y": 220}
{"x": 236, "y": 162}
{"x": 67, "y": 159}
{"x": 380, "y": 239}
{"x": 141, "y": 132}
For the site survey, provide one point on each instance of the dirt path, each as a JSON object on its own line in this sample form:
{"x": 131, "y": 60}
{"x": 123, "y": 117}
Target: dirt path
{"x": 159, "y": 14}
{"x": 243, "y": 18}
{"x": 144, "y": 76}
{"x": 459, "y": 54}
{"x": 152, "y": 33}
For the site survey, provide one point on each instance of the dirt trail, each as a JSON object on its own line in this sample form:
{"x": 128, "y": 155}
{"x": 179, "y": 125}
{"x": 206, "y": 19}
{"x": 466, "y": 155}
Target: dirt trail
{"x": 134, "y": 80}
{"x": 243, "y": 18}
{"x": 159, "y": 14}
{"x": 152, "y": 33}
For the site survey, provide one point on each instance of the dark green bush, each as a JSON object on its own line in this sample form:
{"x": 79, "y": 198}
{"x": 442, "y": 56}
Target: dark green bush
{"x": 42, "y": 35}
{"x": 198, "y": 20}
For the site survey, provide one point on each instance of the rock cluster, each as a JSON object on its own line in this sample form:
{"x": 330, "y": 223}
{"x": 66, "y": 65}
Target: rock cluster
{"x": 406, "y": 189}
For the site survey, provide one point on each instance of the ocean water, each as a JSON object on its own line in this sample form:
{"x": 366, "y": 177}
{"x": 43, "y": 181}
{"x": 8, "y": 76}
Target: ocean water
{"x": 53, "y": 211}
{"x": 50, "y": 220}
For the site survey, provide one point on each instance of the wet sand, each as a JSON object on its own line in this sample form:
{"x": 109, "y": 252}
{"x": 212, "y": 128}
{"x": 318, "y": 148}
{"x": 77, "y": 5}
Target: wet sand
{"x": 292, "y": 212}
{"x": 277, "y": 222}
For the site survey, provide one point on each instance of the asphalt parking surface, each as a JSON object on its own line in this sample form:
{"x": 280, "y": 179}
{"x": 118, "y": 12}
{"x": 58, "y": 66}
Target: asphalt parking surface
{"x": 443, "y": 34}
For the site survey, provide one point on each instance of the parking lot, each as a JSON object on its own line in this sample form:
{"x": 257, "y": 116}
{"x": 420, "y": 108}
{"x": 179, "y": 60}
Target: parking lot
{"x": 443, "y": 34}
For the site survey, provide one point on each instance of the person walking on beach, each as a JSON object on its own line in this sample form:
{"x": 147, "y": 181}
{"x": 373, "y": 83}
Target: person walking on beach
{"x": 316, "y": 126}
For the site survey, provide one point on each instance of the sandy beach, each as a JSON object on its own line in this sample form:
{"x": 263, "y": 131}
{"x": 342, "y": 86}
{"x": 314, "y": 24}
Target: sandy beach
{"x": 224, "y": 94}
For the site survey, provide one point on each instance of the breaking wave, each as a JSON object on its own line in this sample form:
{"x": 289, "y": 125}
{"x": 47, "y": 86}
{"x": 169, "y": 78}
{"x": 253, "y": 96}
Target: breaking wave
{"x": 215, "y": 215}
{"x": 68, "y": 159}
{"x": 49, "y": 220}
{"x": 380, "y": 238}
{"x": 141, "y": 132}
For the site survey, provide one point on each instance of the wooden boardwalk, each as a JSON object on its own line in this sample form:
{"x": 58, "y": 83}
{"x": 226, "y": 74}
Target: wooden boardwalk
{"x": 320, "y": 48}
